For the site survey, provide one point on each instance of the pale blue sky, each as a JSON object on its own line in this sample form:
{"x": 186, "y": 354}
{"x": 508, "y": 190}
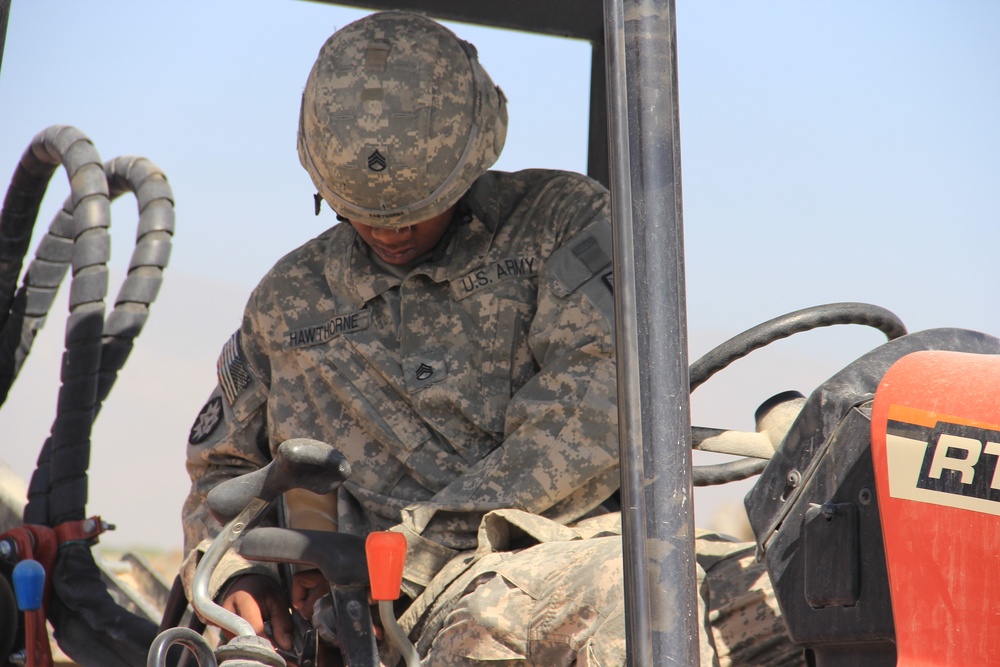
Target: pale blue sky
{"x": 842, "y": 151}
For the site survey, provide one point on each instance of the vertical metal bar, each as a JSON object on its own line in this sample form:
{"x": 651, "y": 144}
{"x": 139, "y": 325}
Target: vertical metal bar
{"x": 597, "y": 147}
{"x": 651, "y": 329}
{"x": 4, "y": 17}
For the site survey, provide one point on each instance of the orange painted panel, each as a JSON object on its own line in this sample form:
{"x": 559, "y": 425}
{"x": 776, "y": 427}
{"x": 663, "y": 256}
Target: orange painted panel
{"x": 936, "y": 451}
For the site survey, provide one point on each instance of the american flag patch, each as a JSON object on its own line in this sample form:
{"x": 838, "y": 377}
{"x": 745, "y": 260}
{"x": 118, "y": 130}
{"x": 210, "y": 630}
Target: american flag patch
{"x": 234, "y": 373}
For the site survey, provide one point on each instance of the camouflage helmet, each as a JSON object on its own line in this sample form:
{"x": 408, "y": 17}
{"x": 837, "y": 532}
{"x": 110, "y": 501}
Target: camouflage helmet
{"x": 398, "y": 119}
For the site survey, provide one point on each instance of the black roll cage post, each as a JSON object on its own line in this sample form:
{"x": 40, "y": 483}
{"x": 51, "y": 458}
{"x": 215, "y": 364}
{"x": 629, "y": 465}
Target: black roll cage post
{"x": 635, "y": 150}
{"x": 4, "y": 16}
{"x": 651, "y": 333}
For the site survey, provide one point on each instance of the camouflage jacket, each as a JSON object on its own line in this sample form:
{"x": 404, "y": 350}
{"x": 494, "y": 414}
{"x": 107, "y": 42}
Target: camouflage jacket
{"x": 480, "y": 379}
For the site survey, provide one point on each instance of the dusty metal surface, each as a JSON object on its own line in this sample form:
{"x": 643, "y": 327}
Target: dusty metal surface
{"x": 653, "y": 397}
{"x": 4, "y": 16}
{"x": 583, "y": 19}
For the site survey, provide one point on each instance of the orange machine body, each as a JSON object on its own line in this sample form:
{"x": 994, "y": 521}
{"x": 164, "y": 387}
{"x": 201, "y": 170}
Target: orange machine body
{"x": 936, "y": 450}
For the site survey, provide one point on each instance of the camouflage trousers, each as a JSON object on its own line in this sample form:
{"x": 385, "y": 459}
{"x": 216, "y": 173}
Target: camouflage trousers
{"x": 562, "y": 603}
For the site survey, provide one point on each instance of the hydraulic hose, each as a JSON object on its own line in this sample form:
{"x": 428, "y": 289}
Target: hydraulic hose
{"x": 89, "y": 208}
{"x": 92, "y": 628}
{"x": 95, "y": 349}
{"x": 17, "y": 220}
{"x": 124, "y": 322}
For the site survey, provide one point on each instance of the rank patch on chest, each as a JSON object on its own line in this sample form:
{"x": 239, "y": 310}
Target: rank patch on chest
{"x": 321, "y": 333}
{"x": 426, "y": 367}
{"x": 424, "y": 374}
{"x": 483, "y": 277}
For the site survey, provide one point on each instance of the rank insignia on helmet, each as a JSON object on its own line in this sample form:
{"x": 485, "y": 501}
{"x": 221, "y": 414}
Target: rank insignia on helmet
{"x": 206, "y": 422}
{"x": 376, "y": 161}
{"x": 417, "y": 90}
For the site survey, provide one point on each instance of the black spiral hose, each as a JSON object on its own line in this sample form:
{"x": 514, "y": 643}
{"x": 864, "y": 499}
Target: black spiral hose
{"x": 56, "y": 480}
{"x": 96, "y": 349}
{"x": 764, "y": 334}
{"x": 89, "y": 250}
{"x": 17, "y": 220}
{"x": 91, "y": 627}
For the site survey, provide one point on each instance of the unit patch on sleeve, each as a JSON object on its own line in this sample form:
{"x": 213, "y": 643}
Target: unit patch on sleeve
{"x": 321, "y": 333}
{"x": 207, "y": 421}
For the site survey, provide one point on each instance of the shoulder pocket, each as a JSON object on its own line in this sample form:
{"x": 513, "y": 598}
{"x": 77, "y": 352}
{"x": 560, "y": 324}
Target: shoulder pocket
{"x": 585, "y": 255}
{"x": 584, "y": 265}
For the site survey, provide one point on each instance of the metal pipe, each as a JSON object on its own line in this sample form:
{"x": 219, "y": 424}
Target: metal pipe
{"x": 651, "y": 334}
{"x": 597, "y": 135}
{"x": 4, "y": 17}
{"x": 396, "y": 635}
{"x": 201, "y": 598}
{"x": 186, "y": 637}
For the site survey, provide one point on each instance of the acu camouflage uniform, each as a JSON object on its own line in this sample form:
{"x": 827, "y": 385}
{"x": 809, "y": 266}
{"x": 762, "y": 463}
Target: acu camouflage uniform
{"x": 474, "y": 395}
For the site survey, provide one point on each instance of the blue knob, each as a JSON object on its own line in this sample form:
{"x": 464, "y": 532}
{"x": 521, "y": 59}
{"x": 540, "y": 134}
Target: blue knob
{"x": 29, "y": 584}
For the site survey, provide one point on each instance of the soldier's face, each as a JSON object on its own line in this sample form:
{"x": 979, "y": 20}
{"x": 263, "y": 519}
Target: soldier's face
{"x": 401, "y": 246}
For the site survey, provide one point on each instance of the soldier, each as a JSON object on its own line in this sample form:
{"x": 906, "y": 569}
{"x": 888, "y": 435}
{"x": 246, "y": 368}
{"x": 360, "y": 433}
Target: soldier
{"x": 453, "y": 339}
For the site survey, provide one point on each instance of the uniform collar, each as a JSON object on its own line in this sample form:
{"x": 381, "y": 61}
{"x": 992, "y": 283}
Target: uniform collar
{"x": 350, "y": 270}
{"x": 468, "y": 247}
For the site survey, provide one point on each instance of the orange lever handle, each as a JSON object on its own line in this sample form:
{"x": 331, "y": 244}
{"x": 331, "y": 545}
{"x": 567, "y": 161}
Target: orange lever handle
{"x": 386, "y": 553}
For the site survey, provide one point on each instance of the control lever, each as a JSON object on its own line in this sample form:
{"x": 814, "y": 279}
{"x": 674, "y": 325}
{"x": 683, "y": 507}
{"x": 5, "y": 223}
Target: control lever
{"x": 299, "y": 463}
{"x": 386, "y": 553}
{"x": 341, "y": 559}
{"x": 28, "y": 578}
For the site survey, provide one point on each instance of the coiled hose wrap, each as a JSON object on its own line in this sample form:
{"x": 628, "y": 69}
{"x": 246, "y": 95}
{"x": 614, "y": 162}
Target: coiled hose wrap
{"x": 91, "y": 627}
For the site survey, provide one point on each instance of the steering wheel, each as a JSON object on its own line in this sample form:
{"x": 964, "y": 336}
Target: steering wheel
{"x": 762, "y": 335}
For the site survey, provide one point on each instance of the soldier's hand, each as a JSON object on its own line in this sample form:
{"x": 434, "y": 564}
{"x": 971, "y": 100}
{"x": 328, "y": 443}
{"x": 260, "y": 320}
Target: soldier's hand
{"x": 308, "y": 586}
{"x": 258, "y": 599}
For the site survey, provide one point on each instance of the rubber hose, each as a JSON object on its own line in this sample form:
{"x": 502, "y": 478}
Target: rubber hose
{"x": 96, "y": 349}
{"x": 69, "y": 441}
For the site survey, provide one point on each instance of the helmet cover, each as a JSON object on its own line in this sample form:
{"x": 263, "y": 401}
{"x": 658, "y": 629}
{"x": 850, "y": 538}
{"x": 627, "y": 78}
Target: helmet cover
{"x": 398, "y": 119}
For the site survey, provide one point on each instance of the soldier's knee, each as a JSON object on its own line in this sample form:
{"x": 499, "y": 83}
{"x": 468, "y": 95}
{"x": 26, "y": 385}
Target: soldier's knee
{"x": 489, "y": 623}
